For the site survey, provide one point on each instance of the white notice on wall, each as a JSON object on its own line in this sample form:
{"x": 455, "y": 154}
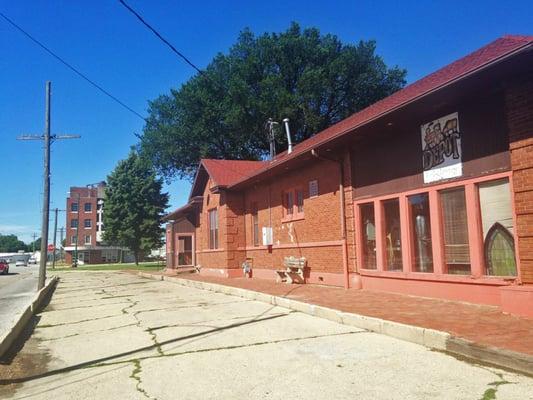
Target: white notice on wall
{"x": 441, "y": 149}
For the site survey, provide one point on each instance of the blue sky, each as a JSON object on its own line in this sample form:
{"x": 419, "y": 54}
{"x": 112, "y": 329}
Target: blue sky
{"x": 109, "y": 45}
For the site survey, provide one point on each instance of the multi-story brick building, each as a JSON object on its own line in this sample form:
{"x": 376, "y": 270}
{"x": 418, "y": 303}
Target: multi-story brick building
{"x": 85, "y": 227}
{"x": 426, "y": 192}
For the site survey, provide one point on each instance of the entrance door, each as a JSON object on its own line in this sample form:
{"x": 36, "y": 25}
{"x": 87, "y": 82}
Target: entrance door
{"x": 185, "y": 250}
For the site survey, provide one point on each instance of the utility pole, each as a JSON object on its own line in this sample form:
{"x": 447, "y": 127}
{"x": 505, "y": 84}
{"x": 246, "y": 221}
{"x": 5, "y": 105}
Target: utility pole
{"x": 55, "y": 234}
{"x": 61, "y": 230}
{"x": 48, "y": 138}
{"x": 34, "y": 236}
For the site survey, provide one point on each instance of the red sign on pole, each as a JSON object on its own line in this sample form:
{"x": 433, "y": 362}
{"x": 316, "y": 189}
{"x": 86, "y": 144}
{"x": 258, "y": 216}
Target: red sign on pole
{"x": 51, "y": 247}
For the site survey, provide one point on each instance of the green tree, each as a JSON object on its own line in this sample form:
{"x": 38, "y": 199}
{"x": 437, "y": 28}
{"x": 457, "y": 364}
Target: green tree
{"x": 134, "y": 206}
{"x": 11, "y": 244}
{"x": 34, "y": 246}
{"x": 313, "y": 79}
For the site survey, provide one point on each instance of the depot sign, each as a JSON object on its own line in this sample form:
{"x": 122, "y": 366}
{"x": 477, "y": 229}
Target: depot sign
{"x": 441, "y": 149}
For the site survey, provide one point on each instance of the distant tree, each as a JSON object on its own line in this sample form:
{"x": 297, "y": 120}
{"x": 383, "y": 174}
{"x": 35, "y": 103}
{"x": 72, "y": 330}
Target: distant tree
{"x": 11, "y": 244}
{"x": 34, "y": 246}
{"x": 313, "y": 79}
{"x": 134, "y": 206}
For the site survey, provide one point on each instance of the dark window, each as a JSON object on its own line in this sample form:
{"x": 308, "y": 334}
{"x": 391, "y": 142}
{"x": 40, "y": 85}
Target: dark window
{"x": 393, "y": 244}
{"x": 74, "y": 207}
{"x": 88, "y": 207}
{"x": 369, "y": 235}
{"x": 421, "y": 232}
{"x": 299, "y": 201}
{"x": 289, "y": 203}
{"x": 87, "y": 223}
{"x": 255, "y": 224}
{"x": 74, "y": 239}
{"x": 73, "y": 223}
{"x": 213, "y": 229}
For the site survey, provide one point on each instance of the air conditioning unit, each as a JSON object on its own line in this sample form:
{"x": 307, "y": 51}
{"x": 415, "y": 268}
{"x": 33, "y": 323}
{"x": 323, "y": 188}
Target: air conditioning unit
{"x": 267, "y": 236}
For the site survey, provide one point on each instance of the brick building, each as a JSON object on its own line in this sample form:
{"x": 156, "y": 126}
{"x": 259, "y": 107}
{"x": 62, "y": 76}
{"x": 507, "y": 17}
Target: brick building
{"x": 427, "y": 192}
{"x": 85, "y": 227}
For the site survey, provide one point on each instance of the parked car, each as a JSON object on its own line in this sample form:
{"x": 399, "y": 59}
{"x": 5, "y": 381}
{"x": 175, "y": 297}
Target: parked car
{"x": 32, "y": 260}
{"x": 4, "y": 267}
{"x": 21, "y": 264}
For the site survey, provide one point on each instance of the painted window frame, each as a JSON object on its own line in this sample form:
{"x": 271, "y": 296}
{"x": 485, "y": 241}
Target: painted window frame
{"x": 85, "y": 226}
{"x": 295, "y": 213}
{"x": 85, "y": 207}
{"x": 74, "y": 223}
{"x": 475, "y": 234}
{"x": 90, "y": 239}
{"x": 73, "y": 239}
{"x": 73, "y": 205}
{"x": 213, "y": 234}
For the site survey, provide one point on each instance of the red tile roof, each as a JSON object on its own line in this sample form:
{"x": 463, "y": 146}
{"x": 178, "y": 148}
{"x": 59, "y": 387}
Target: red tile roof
{"x": 228, "y": 172}
{"x": 455, "y": 71}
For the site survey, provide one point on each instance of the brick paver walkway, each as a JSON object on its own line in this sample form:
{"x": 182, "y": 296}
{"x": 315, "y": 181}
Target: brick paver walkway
{"x": 484, "y": 325}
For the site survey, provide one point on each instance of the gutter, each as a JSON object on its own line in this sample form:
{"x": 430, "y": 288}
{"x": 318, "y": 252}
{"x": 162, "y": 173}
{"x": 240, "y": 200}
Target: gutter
{"x": 315, "y": 154}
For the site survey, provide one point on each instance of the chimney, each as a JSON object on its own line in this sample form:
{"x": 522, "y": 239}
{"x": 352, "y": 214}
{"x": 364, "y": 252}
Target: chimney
{"x": 289, "y": 141}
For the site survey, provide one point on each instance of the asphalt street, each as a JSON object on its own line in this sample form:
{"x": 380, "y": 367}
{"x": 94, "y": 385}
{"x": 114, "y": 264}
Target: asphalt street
{"x": 111, "y": 335}
{"x": 17, "y": 290}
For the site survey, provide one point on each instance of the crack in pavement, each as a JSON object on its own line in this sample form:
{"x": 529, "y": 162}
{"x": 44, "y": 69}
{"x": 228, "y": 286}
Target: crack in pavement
{"x": 490, "y": 393}
{"x": 135, "y": 375}
{"x": 87, "y": 333}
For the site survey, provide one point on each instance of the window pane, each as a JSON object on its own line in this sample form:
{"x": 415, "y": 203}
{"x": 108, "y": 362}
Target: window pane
{"x": 421, "y": 232}
{"x": 88, "y": 207}
{"x": 457, "y": 253}
{"x": 369, "y": 236}
{"x": 255, "y": 225}
{"x": 497, "y": 222}
{"x": 393, "y": 245}
{"x": 73, "y": 206}
{"x": 289, "y": 203}
{"x": 73, "y": 223}
{"x": 300, "y": 200}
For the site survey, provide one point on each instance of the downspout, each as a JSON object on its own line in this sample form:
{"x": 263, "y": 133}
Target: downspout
{"x": 314, "y": 153}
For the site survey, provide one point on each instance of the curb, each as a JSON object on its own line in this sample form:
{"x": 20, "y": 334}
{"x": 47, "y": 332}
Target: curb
{"x": 12, "y": 334}
{"x": 431, "y": 338}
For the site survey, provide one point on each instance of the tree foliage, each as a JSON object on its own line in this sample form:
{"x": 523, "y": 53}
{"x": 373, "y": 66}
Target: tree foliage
{"x": 313, "y": 79}
{"x": 134, "y": 206}
{"x": 11, "y": 244}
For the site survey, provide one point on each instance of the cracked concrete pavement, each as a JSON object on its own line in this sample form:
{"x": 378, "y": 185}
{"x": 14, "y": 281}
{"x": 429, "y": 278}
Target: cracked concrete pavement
{"x": 111, "y": 335}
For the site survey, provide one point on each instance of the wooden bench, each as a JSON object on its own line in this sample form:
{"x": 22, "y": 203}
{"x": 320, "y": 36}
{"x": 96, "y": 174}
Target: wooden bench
{"x": 294, "y": 270}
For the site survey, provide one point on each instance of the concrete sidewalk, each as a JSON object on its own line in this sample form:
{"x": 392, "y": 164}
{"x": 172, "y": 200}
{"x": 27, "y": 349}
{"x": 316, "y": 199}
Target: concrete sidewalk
{"x": 484, "y": 326}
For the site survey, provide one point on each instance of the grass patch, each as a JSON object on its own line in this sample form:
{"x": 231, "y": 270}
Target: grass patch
{"x": 114, "y": 267}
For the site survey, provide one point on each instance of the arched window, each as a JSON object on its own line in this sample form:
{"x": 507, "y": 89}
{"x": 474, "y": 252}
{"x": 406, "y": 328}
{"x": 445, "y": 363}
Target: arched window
{"x": 499, "y": 251}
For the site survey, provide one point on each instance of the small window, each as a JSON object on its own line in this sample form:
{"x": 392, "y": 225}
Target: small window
{"x": 87, "y": 239}
{"x": 73, "y": 223}
{"x": 289, "y": 203}
{"x": 213, "y": 229}
{"x": 255, "y": 224}
{"x": 87, "y": 223}
{"x": 74, "y": 207}
{"x": 368, "y": 227}
{"x": 88, "y": 207}
{"x": 299, "y": 201}
{"x": 313, "y": 188}
{"x": 74, "y": 239}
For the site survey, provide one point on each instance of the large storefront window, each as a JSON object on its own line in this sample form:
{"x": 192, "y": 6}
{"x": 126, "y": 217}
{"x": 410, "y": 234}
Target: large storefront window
{"x": 455, "y": 225}
{"x": 421, "y": 232}
{"x": 393, "y": 245}
{"x": 497, "y": 222}
{"x": 369, "y": 236}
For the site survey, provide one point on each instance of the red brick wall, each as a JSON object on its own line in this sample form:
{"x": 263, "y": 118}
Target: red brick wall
{"x": 519, "y": 110}
{"x": 86, "y": 196}
{"x": 321, "y": 222}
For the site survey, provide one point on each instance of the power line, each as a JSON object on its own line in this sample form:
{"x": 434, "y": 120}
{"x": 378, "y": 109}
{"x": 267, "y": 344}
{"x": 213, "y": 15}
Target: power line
{"x": 140, "y": 18}
{"x": 62, "y": 61}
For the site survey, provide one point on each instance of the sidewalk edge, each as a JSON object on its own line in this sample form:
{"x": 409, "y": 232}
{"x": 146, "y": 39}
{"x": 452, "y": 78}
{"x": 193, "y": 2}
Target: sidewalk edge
{"x": 11, "y": 335}
{"x": 431, "y": 338}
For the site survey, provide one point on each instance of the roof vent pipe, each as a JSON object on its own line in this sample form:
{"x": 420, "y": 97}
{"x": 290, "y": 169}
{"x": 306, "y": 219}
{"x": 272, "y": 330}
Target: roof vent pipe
{"x": 286, "y": 122}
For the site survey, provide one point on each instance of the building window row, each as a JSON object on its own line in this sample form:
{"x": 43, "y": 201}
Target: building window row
{"x": 461, "y": 224}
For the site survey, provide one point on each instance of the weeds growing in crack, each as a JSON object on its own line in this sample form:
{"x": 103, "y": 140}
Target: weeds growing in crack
{"x": 490, "y": 393}
{"x": 137, "y": 369}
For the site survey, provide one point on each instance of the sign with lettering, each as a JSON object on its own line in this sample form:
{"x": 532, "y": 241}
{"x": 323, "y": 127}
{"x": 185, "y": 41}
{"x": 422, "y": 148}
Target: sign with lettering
{"x": 441, "y": 149}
